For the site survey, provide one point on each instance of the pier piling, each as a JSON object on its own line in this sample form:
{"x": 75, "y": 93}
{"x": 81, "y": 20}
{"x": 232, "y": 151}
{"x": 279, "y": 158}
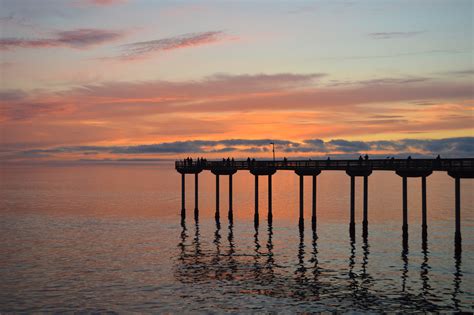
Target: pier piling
{"x": 196, "y": 194}
{"x": 424, "y": 223}
{"x": 301, "y": 220}
{"x": 352, "y": 214}
{"x": 183, "y": 195}
{"x": 217, "y": 198}
{"x": 405, "y": 204}
{"x": 256, "y": 215}
{"x": 457, "y": 189}
{"x": 270, "y": 212}
{"x": 231, "y": 211}
{"x": 313, "y": 210}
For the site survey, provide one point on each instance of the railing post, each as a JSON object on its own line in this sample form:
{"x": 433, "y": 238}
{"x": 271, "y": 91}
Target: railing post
{"x": 301, "y": 221}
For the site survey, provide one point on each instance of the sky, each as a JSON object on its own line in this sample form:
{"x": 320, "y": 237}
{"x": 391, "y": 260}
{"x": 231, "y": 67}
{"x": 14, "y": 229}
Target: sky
{"x": 143, "y": 79}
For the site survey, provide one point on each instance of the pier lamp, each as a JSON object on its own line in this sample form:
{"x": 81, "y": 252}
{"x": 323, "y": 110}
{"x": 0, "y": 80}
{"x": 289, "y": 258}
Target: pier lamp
{"x": 273, "y": 150}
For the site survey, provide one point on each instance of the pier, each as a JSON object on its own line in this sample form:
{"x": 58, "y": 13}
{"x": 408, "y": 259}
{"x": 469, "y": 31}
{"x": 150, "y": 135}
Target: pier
{"x": 420, "y": 168}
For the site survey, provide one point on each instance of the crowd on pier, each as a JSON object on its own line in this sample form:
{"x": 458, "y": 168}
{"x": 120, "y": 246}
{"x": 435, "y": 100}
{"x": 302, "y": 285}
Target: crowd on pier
{"x": 230, "y": 161}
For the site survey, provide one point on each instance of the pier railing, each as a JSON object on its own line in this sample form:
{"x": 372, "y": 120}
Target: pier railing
{"x": 374, "y": 164}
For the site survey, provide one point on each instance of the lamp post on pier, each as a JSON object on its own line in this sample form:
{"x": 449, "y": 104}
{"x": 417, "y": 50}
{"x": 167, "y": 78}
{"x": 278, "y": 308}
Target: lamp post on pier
{"x": 273, "y": 150}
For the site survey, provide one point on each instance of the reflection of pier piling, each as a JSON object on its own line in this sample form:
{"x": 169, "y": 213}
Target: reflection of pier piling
{"x": 405, "y": 168}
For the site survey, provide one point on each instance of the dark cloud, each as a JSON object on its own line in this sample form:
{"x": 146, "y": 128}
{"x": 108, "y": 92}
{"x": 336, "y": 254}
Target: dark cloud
{"x": 348, "y": 146}
{"x": 140, "y": 49}
{"x": 449, "y": 147}
{"x": 79, "y": 38}
{"x": 390, "y": 35}
{"x": 12, "y": 95}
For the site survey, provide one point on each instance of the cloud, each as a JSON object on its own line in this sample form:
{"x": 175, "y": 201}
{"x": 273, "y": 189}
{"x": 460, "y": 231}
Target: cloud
{"x": 104, "y": 2}
{"x": 448, "y": 147}
{"x": 141, "y": 49}
{"x": 461, "y": 73}
{"x": 268, "y": 106}
{"x": 79, "y": 38}
{"x": 390, "y": 35}
{"x": 345, "y": 146}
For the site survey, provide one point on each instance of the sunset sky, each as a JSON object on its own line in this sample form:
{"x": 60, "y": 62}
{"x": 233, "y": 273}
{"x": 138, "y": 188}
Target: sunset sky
{"x": 143, "y": 79}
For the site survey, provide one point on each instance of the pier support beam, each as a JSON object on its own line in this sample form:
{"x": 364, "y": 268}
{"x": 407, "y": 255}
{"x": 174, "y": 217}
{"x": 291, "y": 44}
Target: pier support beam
{"x": 217, "y": 198}
{"x": 457, "y": 235}
{"x": 362, "y": 172}
{"x": 231, "y": 211}
{"x": 405, "y": 205}
{"x": 196, "y": 195}
{"x": 457, "y": 175}
{"x": 352, "y": 215}
{"x": 424, "y": 223}
{"x": 256, "y": 216}
{"x": 183, "y": 195}
{"x": 301, "y": 221}
{"x": 313, "y": 209}
{"x": 270, "y": 213}
{"x": 404, "y": 173}
{"x": 365, "y": 220}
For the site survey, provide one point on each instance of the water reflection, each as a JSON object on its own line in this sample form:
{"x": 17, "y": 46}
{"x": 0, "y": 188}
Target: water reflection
{"x": 269, "y": 274}
{"x": 457, "y": 276}
{"x": 300, "y": 272}
{"x": 260, "y": 270}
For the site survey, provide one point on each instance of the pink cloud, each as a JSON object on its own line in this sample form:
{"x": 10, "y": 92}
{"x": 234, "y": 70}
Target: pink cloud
{"x": 79, "y": 38}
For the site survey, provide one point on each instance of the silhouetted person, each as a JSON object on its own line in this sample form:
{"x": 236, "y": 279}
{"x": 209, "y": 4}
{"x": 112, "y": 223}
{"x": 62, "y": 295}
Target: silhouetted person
{"x": 366, "y": 157}
{"x": 285, "y": 160}
{"x": 438, "y": 157}
{"x": 360, "y": 157}
{"x": 248, "y": 161}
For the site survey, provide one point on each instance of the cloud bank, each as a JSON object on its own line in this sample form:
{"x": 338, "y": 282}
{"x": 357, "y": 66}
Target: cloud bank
{"x": 448, "y": 147}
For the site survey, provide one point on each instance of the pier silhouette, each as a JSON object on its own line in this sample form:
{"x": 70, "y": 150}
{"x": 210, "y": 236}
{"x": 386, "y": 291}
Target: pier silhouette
{"x": 405, "y": 168}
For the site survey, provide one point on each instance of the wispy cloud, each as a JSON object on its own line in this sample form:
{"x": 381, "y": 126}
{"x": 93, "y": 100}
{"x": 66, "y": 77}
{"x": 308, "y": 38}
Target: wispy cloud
{"x": 79, "y": 38}
{"x": 390, "y": 35}
{"x": 104, "y": 2}
{"x": 460, "y": 73}
{"x": 141, "y": 49}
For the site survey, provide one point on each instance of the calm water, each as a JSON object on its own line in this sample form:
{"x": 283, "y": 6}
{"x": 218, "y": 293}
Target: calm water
{"x": 109, "y": 238}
